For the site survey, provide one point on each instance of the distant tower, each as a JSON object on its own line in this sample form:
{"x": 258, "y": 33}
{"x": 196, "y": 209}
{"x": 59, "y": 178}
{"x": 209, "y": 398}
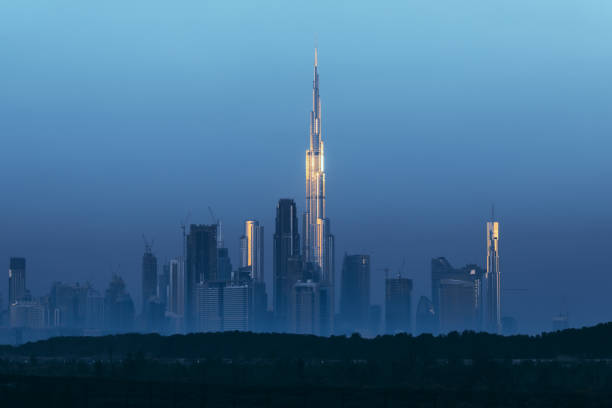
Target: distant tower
{"x": 176, "y": 292}
{"x": 286, "y": 250}
{"x": 355, "y": 293}
{"x": 492, "y": 296}
{"x": 200, "y": 266}
{"x": 254, "y": 234}
{"x": 398, "y": 311}
{"x": 17, "y": 279}
{"x": 305, "y": 315}
{"x": 224, "y": 265}
{"x": 318, "y": 241}
{"x": 149, "y": 275}
{"x": 456, "y": 296}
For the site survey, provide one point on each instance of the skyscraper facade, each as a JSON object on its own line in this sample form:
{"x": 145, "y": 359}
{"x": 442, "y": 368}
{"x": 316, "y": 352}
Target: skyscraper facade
{"x": 492, "y": 297}
{"x": 318, "y": 244}
{"x": 224, "y": 267}
{"x": 456, "y": 295}
{"x": 17, "y": 279}
{"x": 305, "y": 315}
{"x": 398, "y": 301}
{"x": 236, "y": 307}
{"x": 149, "y": 276}
{"x": 176, "y": 292}
{"x": 286, "y": 250}
{"x": 200, "y": 266}
{"x": 355, "y": 293}
{"x": 254, "y": 234}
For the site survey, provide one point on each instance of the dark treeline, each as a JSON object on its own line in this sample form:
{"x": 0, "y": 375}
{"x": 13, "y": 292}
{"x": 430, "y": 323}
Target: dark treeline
{"x": 589, "y": 342}
{"x": 279, "y": 370}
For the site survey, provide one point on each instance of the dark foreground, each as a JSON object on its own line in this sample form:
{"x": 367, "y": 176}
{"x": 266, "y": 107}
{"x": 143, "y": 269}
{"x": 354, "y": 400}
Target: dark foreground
{"x": 67, "y": 392}
{"x": 564, "y": 369}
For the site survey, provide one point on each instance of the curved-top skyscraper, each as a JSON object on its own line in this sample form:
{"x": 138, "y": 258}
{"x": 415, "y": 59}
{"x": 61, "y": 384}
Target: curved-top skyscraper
{"x": 318, "y": 242}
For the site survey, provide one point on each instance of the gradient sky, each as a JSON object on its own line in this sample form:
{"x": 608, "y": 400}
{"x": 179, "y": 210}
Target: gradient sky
{"x": 118, "y": 118}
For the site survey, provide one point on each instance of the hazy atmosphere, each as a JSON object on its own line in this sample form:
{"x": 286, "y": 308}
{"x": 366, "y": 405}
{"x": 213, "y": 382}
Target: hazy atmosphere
{"x": 119, "y": 119}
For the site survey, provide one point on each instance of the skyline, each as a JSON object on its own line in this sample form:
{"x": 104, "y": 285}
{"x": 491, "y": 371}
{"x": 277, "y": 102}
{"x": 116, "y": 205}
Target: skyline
{"x": 549, "y": 231}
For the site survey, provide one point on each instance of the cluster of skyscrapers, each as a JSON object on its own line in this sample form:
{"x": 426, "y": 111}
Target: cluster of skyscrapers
{"x": 200, "y": 291}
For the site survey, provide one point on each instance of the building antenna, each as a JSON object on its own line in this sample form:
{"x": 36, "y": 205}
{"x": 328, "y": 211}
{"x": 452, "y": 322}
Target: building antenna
{"x": 493, "y": 212}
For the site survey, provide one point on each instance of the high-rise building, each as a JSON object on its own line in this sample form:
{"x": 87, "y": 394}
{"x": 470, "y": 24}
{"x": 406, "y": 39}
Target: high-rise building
{"x": 493, "y": 280}
{"x": 398, "y": 310}
{"x": 254, "y": 234}
{"x": 17, "y": 280}
{"x": 456, "y": 296}
{"x": 425, "y": 316}
{"x": 200, "y": 266}
{"x": 68, "y": 304}
{"x": 210, "y": 306}
{"x": 149, "y": 276}
{"x": 286, "y": 251}
{"x": 30, "y": 314}
{"x": 236, "y": 308}
{"x": 318, "y": 244}
{"x": 163, "y": 284}
{"x": 118, "y": 306}
{"x": 355, "y": 293}
{"x": 224, "y": 266}
{"x": 176, "y": 287}
{"x": 244, "y": 251}
{"x": 305, "y": 315}
{"x": 457, "y": 308}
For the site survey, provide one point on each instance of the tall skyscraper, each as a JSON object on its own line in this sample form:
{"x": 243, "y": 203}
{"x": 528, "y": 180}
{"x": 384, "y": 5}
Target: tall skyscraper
{"x": 456, "y": 295}
{"x": 286, "y": 248}
{"x": 236, "y": 307}
{"x": 118, "y": 306}
{"x": 17, "y": 288}
{"x": 17, "y": 279}
{"x": 210, "y": 306}
{"x": 224, "y": 272}
{"x": 149, "y": 276}
{"x": 398, "y": 310}
{"x": 493, "y": 280}
{"x": 318, "y": 241}
{"x": 305, "y": 316}
{"x": 355, "y": 293}
{"x": 200, "y": 266}
{"x": 163, "y": 284}
{"x": 176, "y": 292}
{"x": 254, "y": 235}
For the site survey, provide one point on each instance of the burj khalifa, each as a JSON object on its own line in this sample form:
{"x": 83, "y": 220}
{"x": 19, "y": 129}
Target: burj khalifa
{"x": 318, "y": 244}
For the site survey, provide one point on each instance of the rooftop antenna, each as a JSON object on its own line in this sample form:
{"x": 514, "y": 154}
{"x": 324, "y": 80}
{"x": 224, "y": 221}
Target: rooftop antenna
{"x": 493, "y": 212}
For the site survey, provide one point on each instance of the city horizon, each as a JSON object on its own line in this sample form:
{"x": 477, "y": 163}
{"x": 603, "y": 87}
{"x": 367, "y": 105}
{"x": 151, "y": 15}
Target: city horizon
{"x": 424, "y": 192}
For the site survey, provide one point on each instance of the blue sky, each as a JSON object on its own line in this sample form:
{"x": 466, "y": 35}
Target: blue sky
{"x": 119, "y": 118}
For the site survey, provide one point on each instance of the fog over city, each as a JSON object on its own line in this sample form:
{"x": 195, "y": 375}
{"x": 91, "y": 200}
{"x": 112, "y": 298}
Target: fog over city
{"x": 123, "y": 119}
